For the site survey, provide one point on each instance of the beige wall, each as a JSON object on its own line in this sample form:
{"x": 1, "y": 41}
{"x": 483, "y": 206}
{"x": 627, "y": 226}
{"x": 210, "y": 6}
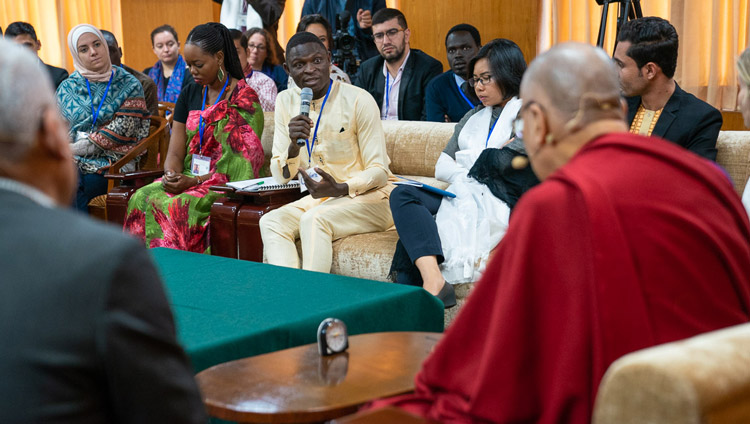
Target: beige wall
{"x": 140, "y": 17}
{"x": 430, "y": 20}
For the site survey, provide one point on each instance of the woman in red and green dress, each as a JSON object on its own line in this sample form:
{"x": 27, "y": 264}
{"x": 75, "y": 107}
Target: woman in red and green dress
{"x": 215, "y": 139}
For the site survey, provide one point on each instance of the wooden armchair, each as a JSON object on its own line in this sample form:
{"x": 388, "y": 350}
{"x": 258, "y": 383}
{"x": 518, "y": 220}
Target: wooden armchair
{"x": 166, "y": 110}
{"x": 153, "y": 149}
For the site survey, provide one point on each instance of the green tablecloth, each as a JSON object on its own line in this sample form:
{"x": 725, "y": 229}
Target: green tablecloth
{"x": 228, "y": 309}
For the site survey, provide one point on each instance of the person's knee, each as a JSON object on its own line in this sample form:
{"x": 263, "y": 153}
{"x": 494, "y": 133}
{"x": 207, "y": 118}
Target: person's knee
{"x": 314, "y": 220}
{"x": 402, "y": 195}
{"x": 273, "y": 222}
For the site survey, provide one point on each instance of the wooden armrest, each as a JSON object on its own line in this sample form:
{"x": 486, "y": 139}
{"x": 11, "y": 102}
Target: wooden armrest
{"x": 222, "y": 189}
{"x": 142, "y": 146}
{"x": 154, "y": 173}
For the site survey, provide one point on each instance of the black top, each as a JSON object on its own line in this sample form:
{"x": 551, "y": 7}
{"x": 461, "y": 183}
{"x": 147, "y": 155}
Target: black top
{"x": 419, "y": 70}
{"x": 685, "y": 120}
{"x": 191, "y": 98}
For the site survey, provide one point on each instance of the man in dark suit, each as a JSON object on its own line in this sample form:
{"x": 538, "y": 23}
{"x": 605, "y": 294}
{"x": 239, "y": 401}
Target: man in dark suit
{"x": 23, "y": 33}
{"x": 87, "y": 333}
{"x": 646, "y": 55}
{"x": 398, "y": 78}
{"x": 449, "y": 96}
{"x": 149, "y": 86}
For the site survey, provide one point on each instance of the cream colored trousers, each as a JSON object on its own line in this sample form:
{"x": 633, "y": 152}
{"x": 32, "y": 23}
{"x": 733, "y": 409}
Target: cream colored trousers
{"x": 317, "y": 223}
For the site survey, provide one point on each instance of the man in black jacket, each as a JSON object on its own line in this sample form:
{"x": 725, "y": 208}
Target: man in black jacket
{"x": 646, "y": 55}
{"x": 24, "y": 33}
{"x": 398, "y": 78}
{"x": 86, "y": 333}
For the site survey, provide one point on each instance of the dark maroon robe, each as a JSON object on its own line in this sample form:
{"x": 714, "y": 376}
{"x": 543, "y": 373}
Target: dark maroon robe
{"x": 634, "y": 242}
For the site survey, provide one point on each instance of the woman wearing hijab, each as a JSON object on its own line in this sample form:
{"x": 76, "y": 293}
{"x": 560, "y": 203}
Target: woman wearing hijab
{"x": 105, "y": 108}
{"x": 215, "y": 139}
{"x": 170, "y": 72}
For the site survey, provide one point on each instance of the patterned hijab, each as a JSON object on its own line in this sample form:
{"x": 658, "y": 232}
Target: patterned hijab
{"x": 73, "y": 37}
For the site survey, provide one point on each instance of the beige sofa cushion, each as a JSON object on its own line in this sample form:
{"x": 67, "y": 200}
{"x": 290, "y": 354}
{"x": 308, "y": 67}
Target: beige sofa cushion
{"x": 734, "y": 155}
{"x": 365, "y": 255}
{"x": 415, "y": 146}
{"x": 704, "y": 379}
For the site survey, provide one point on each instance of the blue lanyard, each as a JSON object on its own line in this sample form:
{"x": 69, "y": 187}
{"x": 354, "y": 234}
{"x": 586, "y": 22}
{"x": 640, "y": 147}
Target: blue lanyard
{"x": 310, "y": 147}
{"x": 388, "y": 91}
{"x": 491, "y": 129}
{"x": 251, "y": 69}
{"x": 461, "y": 92}
{"x": 203, "y": 106}
{"x": 106, "y": 90}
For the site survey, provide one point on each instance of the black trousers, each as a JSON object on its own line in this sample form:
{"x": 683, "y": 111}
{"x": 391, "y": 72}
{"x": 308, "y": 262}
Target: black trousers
{"x": 413, "y": 212}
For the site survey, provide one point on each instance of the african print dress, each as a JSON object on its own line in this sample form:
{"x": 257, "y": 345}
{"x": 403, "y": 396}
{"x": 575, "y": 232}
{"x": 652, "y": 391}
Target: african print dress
{"x": 232, "y": 140}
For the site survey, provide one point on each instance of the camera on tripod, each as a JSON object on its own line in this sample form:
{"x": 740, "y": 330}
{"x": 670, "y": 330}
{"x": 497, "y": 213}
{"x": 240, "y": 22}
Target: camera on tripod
{"x": 629, "y": 9}
{"x": 344, "y": 45}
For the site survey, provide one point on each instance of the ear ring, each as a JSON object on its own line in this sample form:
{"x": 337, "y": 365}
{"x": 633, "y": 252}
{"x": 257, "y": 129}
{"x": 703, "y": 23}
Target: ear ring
{"x": 220, "y": 75}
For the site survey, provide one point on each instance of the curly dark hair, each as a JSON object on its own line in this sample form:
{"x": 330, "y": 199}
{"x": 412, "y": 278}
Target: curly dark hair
{"x": 653, "y": 40}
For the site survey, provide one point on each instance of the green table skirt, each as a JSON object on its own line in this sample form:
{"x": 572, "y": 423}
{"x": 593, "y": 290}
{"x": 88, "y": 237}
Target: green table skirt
{"x": 227, "y": 309}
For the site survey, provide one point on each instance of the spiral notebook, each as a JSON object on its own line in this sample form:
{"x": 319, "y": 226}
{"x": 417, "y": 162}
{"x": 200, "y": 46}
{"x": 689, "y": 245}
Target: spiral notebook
{"x": 262, "y": 184}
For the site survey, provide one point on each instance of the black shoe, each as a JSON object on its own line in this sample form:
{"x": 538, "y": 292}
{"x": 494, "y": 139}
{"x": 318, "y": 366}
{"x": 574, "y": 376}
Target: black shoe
{"x": 447, "y": 295}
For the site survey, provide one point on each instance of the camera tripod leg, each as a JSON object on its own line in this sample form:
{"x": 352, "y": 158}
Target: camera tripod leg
{"x": 603, "y": 24}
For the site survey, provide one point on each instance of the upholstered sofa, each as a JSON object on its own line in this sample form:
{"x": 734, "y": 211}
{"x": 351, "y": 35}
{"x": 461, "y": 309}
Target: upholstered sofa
{"x": 413, "y": 148}
{"x": 701, "y": 380}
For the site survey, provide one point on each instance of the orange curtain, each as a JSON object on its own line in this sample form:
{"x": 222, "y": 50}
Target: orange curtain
{"x": 712, "y": 35}
{"x": 53, "y": 19}
{"x": 290, "y": 18}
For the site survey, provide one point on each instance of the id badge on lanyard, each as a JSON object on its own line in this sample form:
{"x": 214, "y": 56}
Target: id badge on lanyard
{"x": 200, "y": 165}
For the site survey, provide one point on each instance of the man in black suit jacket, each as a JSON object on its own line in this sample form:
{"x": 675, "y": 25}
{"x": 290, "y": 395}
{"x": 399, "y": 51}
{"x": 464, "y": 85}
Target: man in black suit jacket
{"x": 87, "y": 333}
{"x": 646, "y": 55}
{"x": 398, "y": 78}
{"x": 23, "y": 33}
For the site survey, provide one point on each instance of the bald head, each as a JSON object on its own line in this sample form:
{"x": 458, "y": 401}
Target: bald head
{"x": 572, "y": 75}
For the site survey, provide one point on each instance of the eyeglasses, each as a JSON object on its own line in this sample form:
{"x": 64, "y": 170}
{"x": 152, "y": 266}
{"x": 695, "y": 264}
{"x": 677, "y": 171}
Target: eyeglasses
{"x": 259, "y": 47}
{"x": 485, "y": 80}
{"x": 518, "y": 122}
{"x": 390, "y": 34}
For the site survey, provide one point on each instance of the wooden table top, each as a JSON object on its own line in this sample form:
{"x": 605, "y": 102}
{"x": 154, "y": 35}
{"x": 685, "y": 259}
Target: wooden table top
{"x": 298, "y": 385}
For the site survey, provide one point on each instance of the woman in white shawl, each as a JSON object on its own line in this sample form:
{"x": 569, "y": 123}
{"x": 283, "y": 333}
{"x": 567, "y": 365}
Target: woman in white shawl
{"x": 454, "y": 247}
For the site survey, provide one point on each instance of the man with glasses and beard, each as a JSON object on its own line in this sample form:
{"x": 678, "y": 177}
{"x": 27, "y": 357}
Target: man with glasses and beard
{"x": 398, "y": 78}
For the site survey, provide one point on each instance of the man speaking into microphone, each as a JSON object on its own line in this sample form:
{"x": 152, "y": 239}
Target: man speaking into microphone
{"x": 338, "y": 151}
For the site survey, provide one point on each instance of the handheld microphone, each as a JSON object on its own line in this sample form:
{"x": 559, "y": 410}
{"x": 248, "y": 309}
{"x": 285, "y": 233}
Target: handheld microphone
{"x": 304, "y": 108}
